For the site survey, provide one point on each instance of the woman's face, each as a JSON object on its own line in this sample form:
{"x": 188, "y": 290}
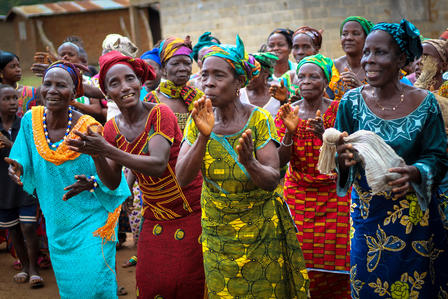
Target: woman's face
{"x": 303, "y": 46}
{"x": 381, "y": 59}
{"x": 429, "y": 50}
{"x": 12, "y": 71}
{"x": 69, "y": 53}
{"x": 260, "y": 81}
{"x": 311, "y": 80}
{"x": 352, "y": 38}
{"x": 123, "y": 86}
{"x": 278, "y": 44}
{"x": 57, "y": 89}
{"x": 9, "y": 101}
{"x": 178, "y": 69}
{"x": 219, "y": 82}
{"x": 152, "y": 84}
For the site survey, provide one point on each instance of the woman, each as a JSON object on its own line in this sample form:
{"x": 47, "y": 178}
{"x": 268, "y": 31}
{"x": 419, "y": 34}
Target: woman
{"x": 280, "y": 43}
{"x": 145, "y": 138}
{"x": 349, "y": 73}
{"x": 11, "y": 74}
{"x": 248, "y": 237}
{"x": 82, "y": 263}
{"x": 321, "y": 217}
{"x": 153, "y": 59}
{"x": 257, "y": 91}
{"x": 398, "y": 247}
{"x": 176, "y": 69}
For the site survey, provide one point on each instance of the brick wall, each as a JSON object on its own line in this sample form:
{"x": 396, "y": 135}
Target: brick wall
{"x": 255, "y": 19}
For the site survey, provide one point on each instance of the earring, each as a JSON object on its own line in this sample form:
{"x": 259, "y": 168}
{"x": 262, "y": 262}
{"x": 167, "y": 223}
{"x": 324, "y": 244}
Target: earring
{"x": 238, "y": 92}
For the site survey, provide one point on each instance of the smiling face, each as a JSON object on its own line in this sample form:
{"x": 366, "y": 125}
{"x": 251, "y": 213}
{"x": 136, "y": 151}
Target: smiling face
{"x": 381, "y": 59}
{"x": 303, "y": 46}
{"x": 278, "y": 44}
{"x": 57, "y": 89}
{"x": 352, "y": 38}
{"x": 178, "y": 69}
{"x": 219, "y": 81}
{"x": 12, "y": 72}
{"x": 311, "y": 80}
{"x": 123, "y": 86}
{"x": 9, "y": 101}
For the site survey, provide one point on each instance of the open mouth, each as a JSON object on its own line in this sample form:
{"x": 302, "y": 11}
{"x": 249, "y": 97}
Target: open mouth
{"x": 131, "y": 95}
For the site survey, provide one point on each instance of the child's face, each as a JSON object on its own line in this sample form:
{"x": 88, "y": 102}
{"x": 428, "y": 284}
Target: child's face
{"x": 8, "y": 101}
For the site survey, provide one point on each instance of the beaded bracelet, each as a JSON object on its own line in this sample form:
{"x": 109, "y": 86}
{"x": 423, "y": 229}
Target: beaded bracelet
{"x": 95, "y": 184}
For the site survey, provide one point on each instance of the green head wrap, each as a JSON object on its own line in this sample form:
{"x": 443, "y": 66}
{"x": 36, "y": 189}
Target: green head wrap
{"x": 267, "y": 60}
{"x": 205, "y": 40}
{"x": 365, "y": 24}
{"x": 325, "y": 63}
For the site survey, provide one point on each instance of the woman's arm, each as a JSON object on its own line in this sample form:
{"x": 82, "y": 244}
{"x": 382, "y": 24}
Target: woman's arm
{"x": 93, "y": 109}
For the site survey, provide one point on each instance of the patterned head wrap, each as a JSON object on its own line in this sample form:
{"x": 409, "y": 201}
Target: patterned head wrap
{"x": 143, "y": 70}
{"x": 122, "y": 44}
{"x": 243, "y": 64}
{"x": 267, "y": 60}
{"x": 325, "y": 63}
{"x": 287, "y": 33}
{"x": 153, "y": 55}
{"x": 365, "y": 24}
{"x": 205, "y": 40}
{"x": 73, "y": 71}
{"x": 407, "y": 37}
{"x": 441, "y": 46}
{"x": 316, "y": 35}
{"x": 173, "y": 46}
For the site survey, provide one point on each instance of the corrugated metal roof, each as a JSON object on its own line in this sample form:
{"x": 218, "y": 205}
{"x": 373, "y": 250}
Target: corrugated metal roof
{"x": 67, "y": 7}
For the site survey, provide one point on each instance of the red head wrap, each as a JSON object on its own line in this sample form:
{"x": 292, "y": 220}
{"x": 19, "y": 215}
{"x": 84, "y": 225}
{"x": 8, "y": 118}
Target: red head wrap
{"x": 314, "y": 34}
{"x": 143, "y": 70}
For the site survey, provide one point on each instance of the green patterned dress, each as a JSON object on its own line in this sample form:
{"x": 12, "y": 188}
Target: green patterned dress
{"x": 248, "y": 237}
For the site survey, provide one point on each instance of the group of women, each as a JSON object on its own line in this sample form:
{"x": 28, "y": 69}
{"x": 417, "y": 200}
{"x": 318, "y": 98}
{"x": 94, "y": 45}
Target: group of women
{"x": 208, "y": 154}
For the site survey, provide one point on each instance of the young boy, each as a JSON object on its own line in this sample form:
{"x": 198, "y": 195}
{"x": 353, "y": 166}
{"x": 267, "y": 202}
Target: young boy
{"x": 17, "y": 209}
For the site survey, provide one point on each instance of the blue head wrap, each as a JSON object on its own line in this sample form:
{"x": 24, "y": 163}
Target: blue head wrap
{"x": 153, "y": 55}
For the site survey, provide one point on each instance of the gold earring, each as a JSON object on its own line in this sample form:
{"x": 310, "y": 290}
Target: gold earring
{"x": 238, "y": 92}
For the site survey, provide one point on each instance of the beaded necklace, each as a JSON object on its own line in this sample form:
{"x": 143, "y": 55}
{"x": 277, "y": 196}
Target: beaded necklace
{"x": 69, "y": 126}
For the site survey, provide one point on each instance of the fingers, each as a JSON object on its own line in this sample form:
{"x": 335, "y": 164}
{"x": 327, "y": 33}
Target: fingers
{"x": 81, "y": 135}
{"x": 208, "y": 104}
{"x": 69, "y": 195}
{"x": 318, "y": 114}
{"x": 282, "y": 84}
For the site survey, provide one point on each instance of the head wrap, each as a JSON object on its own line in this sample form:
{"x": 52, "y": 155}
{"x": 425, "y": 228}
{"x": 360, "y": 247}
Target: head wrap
{"x": 243, "y": 64}
{"x": 407, "y": 37}
{"x": 173, "y": 46}
{"x": 142, "y": 70}
{"x": 73, "y": 71}
{"x": 5, "y": 58}
{"x": 315, "y": 35}
{"x": 205, "y": 40}
{"x": 325, "y": 63}
{"x": 441, "y": 46}
{"x": 287, "y": 33}
{"x": 71, "y": 45}
{"x": 122, "y": 44}
{"x": 153, "y": 55}
{"x": 267, "y": 60}
{"x": 365, "y": 24}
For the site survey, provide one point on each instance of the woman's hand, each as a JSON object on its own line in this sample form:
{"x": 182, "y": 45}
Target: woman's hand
{"x": 346, "y": 153}
{"x": 15, "y": 170}
{"x": 350, "y": 79}
{"x": 402, "y": 185}
{"x": 290, "y": 117}
{"x": 280, "y": 92}
{"x": 82, "y": 184}
{"x": 316, "y": 125}
{"x": 92, "y": 143}
{"x": 246, "y": 148}
{"x": 5, "y": 142}
{"x": 203, "y": 116}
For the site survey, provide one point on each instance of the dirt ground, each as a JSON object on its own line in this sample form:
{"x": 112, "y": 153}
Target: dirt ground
{"x": 11, "y": 290}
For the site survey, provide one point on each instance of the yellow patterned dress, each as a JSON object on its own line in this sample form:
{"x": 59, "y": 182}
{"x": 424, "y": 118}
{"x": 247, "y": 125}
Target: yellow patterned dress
{"x": 248, "y": 236}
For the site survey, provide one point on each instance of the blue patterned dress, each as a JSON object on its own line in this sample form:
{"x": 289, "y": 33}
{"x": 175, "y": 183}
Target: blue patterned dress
{"x": 399, "y": 247}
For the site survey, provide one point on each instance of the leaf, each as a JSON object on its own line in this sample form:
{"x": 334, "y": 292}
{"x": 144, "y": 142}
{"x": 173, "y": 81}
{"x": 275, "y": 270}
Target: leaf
{"x": 409, "y": 227}
{"x": 413, "y": 295}
{"x": 411, "y": 280}
{"x": 404, "y": 277}
{"x": 386, "y": 221}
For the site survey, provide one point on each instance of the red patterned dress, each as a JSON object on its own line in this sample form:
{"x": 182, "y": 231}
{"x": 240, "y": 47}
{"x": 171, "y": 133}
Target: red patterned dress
{"x": 321, "y": 217}
{"x": 169, "y": 254}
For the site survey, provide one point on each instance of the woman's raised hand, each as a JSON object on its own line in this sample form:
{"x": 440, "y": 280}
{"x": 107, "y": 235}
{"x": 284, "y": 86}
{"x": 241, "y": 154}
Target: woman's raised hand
{"x": 92, "y": 143}
{"x": 316, "y": 125}
{"x": 15, "y": 170}
{"x": 280, "y": 92}
{"x": 246, "y": 148}
{"x": 290, "y": 117}
{"x": 346, "y": 153}
{"x": 350, "y": 79}
{"x": 203, "y": 116}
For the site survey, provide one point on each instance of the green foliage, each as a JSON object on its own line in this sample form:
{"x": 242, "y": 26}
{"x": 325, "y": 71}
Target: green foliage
{"x": 6, "y": 5}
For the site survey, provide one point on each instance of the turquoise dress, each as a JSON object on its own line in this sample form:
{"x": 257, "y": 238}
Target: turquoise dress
{"x": 83, "y": 266}
{"x": 399, "y": 247}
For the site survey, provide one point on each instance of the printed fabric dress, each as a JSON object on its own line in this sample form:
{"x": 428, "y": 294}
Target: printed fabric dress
{"x": 84, "y": 265}
{"x": 170, "y": 263}
{"x": 27, "y": 99}
{"x": 399, "y": 247}
{"x": 321, "y": 217}
{"x": 248, "y": 236}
